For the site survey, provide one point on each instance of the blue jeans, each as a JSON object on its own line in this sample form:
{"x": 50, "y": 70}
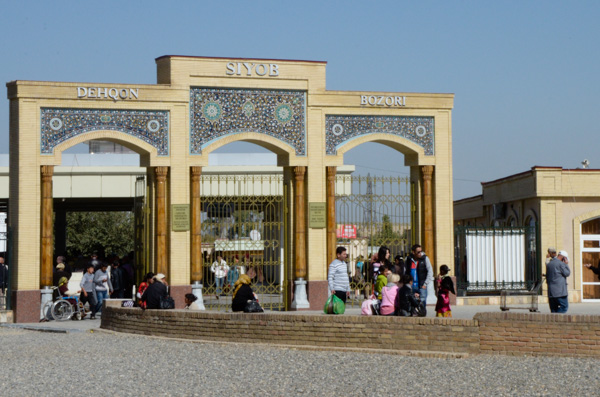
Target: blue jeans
{"x": 100, "y": 296}
{"x": 559, "y": 305}
{"x": 423, "y": 295}
{"x": 219, "y": 282}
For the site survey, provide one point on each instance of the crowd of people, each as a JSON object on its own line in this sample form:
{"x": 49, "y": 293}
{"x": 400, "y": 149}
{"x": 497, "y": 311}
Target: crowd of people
{"x": 398, "y": 288}
{"x": 101, "y": 281}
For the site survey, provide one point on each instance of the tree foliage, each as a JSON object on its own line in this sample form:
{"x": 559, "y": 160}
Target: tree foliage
{"x": 105, "y": 232}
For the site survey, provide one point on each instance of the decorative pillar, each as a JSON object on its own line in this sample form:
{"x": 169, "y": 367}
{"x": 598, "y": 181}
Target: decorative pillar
{"x": 300, "y": 297}
{"x": 47, "y": 232}
{"x": 196, "y": 254}
{"x": 428, "y": 246}
{"x": 331, "y": 226}
{"x": 196, "y": 236}
{"x": 161, "y": 219}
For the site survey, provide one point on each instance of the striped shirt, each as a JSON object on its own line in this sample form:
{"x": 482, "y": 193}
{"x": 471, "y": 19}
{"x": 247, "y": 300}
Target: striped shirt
{"x": 338, "y": 276}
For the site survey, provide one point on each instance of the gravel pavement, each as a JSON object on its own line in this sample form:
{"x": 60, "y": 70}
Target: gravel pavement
{"x": 101, "y": 363}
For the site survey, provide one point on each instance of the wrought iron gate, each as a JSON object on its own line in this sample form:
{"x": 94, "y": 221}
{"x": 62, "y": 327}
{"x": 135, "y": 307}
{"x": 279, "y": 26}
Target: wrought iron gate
{"x": 142, "y": 233}
{"x": 489, "y": 259}
{"x": 243, "y": 222}
{"x": 372, "y": 212}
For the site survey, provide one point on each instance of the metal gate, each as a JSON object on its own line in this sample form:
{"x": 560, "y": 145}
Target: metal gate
{"x": 142, "y": 231}
{"x": 372, "y": 212}
{"x": 243, "y": 222}
{"x": 490, "y": 259}
{"x": 5, "y": 250}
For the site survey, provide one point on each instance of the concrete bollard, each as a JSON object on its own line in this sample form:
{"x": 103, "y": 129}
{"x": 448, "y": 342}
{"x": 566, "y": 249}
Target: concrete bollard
{"x": 197, "y": 291}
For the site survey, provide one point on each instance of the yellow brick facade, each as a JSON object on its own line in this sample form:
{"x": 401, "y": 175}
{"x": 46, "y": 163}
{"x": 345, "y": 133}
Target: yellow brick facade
{"x": 559, "y": 200}
{"x": 175, "y": 76}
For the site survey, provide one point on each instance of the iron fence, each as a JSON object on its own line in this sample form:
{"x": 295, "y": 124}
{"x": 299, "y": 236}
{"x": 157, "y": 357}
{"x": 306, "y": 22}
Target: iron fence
{"x": 491, "y": 259}
{"x": 372, "y": 211}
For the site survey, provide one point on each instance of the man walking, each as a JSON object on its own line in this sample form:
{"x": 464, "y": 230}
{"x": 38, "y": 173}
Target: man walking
{"x": 88, "y": 290}
{"x": 557, "y": 271}
{"x": 337, "y": 277}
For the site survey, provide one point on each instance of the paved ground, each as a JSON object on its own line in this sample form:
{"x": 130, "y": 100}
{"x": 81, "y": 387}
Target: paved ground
{"x": 100, "y": 363}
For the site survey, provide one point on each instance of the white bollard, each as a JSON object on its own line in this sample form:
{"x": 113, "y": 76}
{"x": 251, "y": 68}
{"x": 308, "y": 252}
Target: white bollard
{"x": 46, "y": 297}
{"x": 300, "y": 297}
{"x": 197, "y": 291}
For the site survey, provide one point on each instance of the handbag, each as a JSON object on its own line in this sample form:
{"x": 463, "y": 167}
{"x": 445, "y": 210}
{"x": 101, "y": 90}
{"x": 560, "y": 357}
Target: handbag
{"x": 253, "y": 306}
{"x": 166, "y": 302}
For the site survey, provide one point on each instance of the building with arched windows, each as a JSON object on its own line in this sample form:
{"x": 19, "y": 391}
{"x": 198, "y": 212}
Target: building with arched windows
{"x": 283, "y": 225}
{"x": 563, "y": 205}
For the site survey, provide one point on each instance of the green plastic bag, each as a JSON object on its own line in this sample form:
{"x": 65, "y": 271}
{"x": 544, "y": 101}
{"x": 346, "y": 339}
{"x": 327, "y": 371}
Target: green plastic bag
{"x": 334, "y": 305}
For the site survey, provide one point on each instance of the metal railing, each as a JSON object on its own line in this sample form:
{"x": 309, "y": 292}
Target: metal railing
{"x": 490, "y": 259}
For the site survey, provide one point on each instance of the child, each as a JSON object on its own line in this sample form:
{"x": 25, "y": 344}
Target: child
{"x": 389, "y": 293}
{"x": 444, "y": 286}
{"x": 407, "y": 303}
{"x": 382, "y": 280}
{"x": 366, "y": 308}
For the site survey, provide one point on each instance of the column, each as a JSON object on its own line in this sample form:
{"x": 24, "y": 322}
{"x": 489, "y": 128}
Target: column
{"x": 161, "y": 219}
{"x": 196, "y": 254}
{"x": 331, "y": 225}
{"x": 196, "y": 236}
{"x": 428, "y": 246}
{"x": 47, "y": 232}
{"x": 300, "y": 297}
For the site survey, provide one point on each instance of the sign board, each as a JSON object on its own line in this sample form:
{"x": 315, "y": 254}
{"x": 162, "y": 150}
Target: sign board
{"x": 317, "y": 215}
{"x": 346, "y": 231}
{"x": 180, "y": 217}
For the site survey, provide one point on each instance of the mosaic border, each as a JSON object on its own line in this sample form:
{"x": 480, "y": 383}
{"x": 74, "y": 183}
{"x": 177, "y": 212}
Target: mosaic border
{"x": 218, "y": 112}
{"x": 339, "y": 129}
{"x": 59, "y": 124}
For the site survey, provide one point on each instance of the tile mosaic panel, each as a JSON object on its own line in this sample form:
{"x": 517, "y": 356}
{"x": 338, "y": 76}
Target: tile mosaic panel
{"x": 216, "y": 112}
{"x": 59, "y": 125}
{"x": 340, "y": 129}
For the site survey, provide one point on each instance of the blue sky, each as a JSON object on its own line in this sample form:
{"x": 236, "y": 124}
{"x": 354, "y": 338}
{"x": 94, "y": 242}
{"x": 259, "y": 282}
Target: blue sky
{"x": 525, "y": 74}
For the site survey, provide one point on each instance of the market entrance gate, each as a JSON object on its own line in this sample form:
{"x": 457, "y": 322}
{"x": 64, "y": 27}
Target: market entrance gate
{"x": 372, "y": 212}
{"x": 243, "y": 222}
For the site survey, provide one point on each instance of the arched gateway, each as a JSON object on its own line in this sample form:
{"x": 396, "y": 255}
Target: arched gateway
{"x": 199, "y": 105}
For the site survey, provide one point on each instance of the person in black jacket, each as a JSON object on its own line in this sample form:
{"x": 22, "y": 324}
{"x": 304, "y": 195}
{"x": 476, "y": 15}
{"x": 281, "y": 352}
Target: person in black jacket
{"x": 407, "y": 302}
{"x": 3, "y": 275}
{"x": 242, "y": 293}
{"x": 155, "y": 291}
{"x": 118, "y": 280}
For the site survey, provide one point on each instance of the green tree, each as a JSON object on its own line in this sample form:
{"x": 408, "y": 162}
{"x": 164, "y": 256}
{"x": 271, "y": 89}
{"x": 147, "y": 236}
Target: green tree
{"x": 387, "y": 234}
{"x": 105, "y": 232}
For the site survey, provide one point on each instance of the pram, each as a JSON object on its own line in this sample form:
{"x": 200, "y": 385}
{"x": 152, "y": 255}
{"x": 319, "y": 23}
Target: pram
{"x": 63, "y": 308}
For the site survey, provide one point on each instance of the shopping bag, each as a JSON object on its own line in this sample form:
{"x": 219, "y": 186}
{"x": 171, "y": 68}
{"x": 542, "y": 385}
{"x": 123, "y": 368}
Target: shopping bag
{"x": 334, "y": 305}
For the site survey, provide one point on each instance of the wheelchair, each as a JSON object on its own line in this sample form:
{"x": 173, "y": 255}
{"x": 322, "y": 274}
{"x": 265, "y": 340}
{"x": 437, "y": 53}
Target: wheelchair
{"x": 62, "y": 308}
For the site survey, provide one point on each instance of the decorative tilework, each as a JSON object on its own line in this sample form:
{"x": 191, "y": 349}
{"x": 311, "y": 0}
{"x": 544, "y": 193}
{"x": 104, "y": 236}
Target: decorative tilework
{"x": 340, "y": 129}
{"x": 59, "y": 125}
{"x": 216, "y": 112}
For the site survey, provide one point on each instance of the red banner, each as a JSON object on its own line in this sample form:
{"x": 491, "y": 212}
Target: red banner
{"x": 346, "y": 231}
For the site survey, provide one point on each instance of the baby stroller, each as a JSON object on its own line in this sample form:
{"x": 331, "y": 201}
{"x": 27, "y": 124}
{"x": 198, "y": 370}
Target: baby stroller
{"x": 63, "y": 308}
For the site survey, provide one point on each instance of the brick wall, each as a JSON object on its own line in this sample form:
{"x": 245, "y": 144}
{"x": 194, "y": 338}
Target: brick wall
{"x": 491, "y": 333}
{"x": 539, "y": 334}
{"x": 364, "y": 332}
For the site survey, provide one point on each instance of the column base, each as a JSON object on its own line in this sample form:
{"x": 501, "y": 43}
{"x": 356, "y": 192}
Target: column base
{"x": 26, "y": 306}
{"x": 300, "y": 297}
{"x": 197, "y": 291}
{"x": 318, "y": 292}
{"x": 178, "y": 292}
